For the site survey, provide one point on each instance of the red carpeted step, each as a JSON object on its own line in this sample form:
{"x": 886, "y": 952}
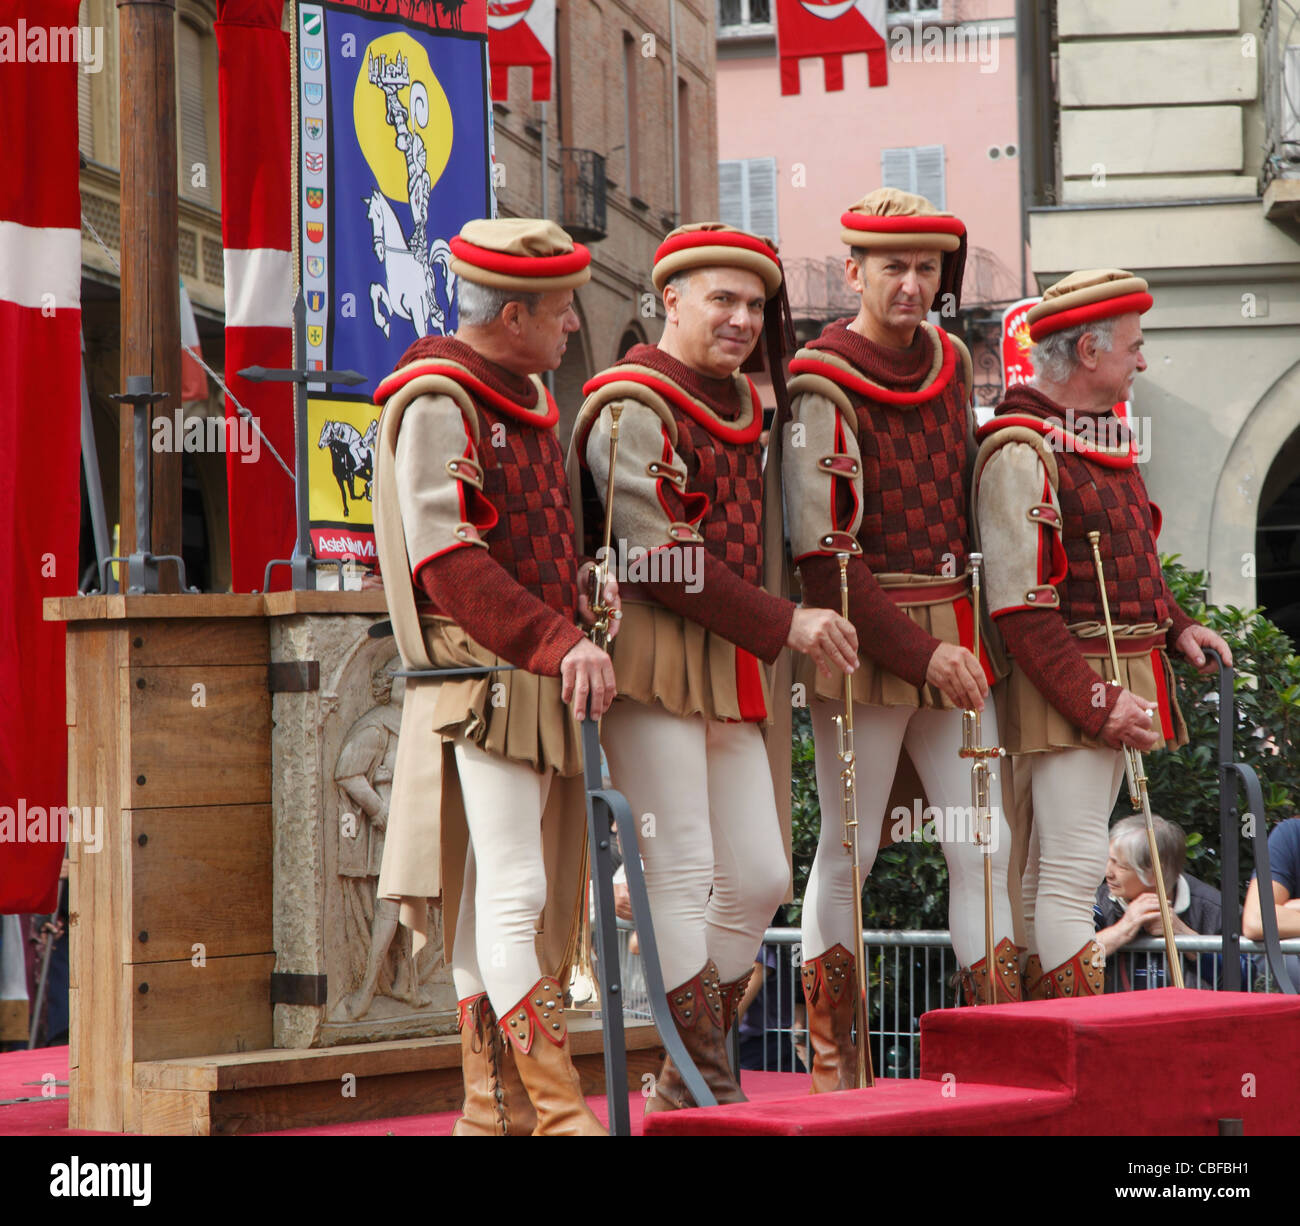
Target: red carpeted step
{"x": 891, "y": 1108}
{"x": 1167, "y": 1062}
{"x": 1171, "y": 1061}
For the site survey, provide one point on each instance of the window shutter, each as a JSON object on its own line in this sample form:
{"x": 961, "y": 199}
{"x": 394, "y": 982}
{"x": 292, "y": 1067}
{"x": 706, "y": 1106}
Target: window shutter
{"x": 85, "y": 111}
{"x": 762, "y": 197}
{"x": 731, "y": 193}
{"x": 918, "y": 170}
{"x": 193, "y": 134}
{"x": 929, "y": 175}
{"x": 896, "y": 169}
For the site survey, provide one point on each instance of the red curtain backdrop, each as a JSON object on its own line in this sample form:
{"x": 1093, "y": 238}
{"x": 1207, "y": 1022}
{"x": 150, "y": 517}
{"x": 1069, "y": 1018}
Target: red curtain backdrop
{"x": 40, "y": 414}
{"x": 253, "y": 85}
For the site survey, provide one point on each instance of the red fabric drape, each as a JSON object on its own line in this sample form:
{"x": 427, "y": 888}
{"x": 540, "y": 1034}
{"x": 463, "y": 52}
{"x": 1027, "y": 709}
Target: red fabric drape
{"x": 40, "y": 408}
{"x": 256, "y": 220}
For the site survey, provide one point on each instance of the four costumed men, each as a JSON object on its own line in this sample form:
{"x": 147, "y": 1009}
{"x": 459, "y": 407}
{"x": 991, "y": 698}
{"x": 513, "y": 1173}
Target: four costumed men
{"x": 484, "y": 558}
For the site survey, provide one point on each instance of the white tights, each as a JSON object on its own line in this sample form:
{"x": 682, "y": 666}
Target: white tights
{"x": 495, "y": 948}
{"x": 932, "y": 739}
{"x": 1073, "y": 793}
{"x": 715, "y": 869}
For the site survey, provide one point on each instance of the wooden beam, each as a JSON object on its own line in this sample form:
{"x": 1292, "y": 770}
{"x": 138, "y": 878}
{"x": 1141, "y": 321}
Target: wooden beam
{"x": 151, "y": 338}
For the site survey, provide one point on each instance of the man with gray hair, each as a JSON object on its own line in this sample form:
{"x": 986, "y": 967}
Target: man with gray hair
{"x": 1043, "y": 482}
{"x": 1127, "y": 907}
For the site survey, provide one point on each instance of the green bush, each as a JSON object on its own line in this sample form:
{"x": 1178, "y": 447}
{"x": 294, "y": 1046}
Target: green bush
{"x": 1184, "y": 785}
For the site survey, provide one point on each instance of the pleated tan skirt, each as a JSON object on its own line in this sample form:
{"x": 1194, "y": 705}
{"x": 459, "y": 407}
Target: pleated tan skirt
{"x": 664, "y": 658}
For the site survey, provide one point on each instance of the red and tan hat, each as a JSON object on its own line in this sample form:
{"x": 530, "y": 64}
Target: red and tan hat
{"x": 1085, "y": 297}
{"x": 711, "y": 244}
{"x": 520, "y": 253}
{"x": 889, "y": 219}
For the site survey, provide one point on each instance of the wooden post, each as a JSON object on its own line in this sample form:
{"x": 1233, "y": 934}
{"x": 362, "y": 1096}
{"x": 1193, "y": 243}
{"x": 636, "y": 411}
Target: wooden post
{"x": 150, "y": 302}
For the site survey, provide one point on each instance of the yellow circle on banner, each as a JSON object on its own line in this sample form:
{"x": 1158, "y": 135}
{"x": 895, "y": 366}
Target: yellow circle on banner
{"x": 428, "y": 114}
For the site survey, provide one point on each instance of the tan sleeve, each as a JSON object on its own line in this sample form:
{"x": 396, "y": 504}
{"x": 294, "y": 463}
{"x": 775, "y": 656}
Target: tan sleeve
{"x": 1019, "y": 525}
{"x": 439, "y": 481}
{"x": 820, "y": 458}
{"x": 650, "y": 481}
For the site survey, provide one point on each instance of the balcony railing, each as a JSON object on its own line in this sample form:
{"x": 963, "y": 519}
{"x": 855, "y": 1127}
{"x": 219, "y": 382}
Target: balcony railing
{"x": 1281, "y": 95}
{"x": 582, "y": 185}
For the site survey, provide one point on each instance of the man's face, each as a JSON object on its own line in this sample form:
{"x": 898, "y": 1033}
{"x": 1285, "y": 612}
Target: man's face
{"x": 718, "y": 315}
{"x": 897, "y": 288}
{"x": 1117, "y": 367}
{"x": 542, "y": 334}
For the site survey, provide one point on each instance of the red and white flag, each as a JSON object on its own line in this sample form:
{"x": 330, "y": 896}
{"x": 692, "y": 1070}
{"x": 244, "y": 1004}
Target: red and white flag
{"x": 253, "y": 94}
{"x": 521, "y": 33}
{"x": 194, "y": 382}
{"x": 40, "y": 420}
{"x": 830, "y": 30}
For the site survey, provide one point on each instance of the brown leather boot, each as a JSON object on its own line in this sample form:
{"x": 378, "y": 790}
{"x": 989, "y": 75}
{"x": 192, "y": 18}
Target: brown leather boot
{"x": 731, "y": 996}
{"x": 537, "y": 1030}
{"x": 1082, "y": 975}
{"x": 1034, "y": 986}
{"x": 697, "y": 1008}
{"x": 496, "y": 1104}
{"x": 828, "y": 987}
{"x": 1007, "y": 982}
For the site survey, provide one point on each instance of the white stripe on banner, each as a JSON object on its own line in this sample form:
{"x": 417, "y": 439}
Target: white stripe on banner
{"x": 36, "y": 263}
{"x": 259, "y": 288}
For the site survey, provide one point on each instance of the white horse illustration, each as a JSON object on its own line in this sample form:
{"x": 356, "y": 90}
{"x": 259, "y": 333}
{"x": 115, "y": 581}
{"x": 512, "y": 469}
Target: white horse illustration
{"x": 409, "y": 292}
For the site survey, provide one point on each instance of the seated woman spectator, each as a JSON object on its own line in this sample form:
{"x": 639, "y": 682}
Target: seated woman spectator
{"x": 1127, "y": 906}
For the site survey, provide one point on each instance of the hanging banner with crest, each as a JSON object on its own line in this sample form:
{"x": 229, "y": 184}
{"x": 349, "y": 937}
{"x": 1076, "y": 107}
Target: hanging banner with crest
{"x": 395, "y": 155}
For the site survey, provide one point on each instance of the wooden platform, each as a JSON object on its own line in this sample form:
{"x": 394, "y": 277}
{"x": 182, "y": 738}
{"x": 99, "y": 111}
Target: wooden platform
{"x": 263, "y": 1091}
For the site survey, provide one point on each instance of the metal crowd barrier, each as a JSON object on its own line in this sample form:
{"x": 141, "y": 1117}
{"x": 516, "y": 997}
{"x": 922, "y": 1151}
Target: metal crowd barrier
{"x": 912, "y": 972}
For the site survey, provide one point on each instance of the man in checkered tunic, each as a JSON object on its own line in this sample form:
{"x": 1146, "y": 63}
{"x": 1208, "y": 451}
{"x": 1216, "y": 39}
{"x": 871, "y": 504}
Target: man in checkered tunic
{"x": 683, "y": 737}
{"x": 1055, "y": 463}
{"x": 482, "y": 574}
{"x": 876, "y": 466}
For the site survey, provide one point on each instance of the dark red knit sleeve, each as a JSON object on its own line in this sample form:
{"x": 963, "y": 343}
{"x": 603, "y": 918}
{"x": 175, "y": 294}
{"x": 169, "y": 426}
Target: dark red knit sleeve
{"x": 740, "y": 612}
{"x": 478, "y": 594}
{"x": 1050, "y": 658}
{"x": 885, "y": 633}
{"x": 1181, "y": 620}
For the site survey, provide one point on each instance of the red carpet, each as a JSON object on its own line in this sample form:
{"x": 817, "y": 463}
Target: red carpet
{"x": 46, "y": 1116}
{"x": 1159, "y": 1063}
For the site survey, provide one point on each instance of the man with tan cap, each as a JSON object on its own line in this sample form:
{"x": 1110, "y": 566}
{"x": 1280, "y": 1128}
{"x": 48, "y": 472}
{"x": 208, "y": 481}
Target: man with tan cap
{"x": 876, "y": 468}
{"x": 683, "y": 738}
{"x": 1054, "y": 464}
{"x": 481, "y": 572}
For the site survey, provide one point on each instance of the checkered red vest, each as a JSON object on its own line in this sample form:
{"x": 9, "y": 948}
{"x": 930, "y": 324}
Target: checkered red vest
{"x": 1112, "y": 501}
{"x": 524, "y": 479}
{"x": 730, "y": 475}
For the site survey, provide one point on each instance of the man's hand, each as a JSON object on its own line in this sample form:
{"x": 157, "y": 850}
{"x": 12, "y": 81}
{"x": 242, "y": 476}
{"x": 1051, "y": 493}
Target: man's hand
{"x": 586, "y": 670}
{"x": 956, "y": 672}
{"x": 1194, "y": 638}
{"x": 1131, "y": 722}
{"x": 827, "y": 637}
{"x": 611, "y": 598}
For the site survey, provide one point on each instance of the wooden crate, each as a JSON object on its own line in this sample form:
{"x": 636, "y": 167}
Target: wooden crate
{"x": 169, "y": 721}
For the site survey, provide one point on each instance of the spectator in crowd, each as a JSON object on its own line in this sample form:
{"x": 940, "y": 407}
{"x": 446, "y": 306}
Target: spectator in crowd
{"x": 1127, "y": 906}
{"x": 1284, "y": 867}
